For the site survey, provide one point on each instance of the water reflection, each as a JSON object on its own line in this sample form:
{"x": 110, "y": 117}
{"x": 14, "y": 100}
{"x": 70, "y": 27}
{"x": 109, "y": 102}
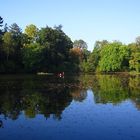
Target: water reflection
{"x": 114, "y": 88}
{"x": 51, "y": 96}
{"x": 1, "y": 124}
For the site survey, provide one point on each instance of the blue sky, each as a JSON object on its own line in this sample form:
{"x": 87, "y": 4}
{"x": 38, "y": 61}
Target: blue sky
{"x": 89, "y": 20}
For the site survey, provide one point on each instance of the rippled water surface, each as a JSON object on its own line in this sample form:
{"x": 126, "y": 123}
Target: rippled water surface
{"x": 100, "y": 107}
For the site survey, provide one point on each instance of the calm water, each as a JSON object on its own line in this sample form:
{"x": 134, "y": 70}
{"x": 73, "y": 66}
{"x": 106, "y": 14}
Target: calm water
{"x": 102, "y": 107}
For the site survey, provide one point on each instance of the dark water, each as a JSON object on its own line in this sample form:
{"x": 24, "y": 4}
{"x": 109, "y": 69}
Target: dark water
{"x": 100, "y": 107}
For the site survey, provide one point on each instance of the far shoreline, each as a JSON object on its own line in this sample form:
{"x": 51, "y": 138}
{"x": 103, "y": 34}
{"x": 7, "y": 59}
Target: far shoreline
{"x": 70, "y": 74}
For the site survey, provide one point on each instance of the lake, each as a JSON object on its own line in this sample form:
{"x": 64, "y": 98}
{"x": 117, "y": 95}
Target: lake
{"x": 85, "y": 107}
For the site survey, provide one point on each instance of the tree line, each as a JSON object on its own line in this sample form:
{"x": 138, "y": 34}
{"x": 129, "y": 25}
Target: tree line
{"x": 114, "y": 57}
{"x": 50, "y": 50}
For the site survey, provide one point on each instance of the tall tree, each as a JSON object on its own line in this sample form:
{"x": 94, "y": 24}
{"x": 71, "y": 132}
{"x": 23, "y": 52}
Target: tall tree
{"x": 31, "y": 30}
{"x": 57, "y": 45}
{"x": 16, "y": 33}
{"x": 8, "y": 44}
{"x": 15, "y": 29}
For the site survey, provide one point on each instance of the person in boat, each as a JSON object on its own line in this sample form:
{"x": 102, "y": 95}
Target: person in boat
{"x": 61, "y": 74}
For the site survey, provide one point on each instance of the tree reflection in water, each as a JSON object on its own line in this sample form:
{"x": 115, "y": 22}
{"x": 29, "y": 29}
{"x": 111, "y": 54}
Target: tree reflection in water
{"x": 50, "y": 95}
{"x": 114, "y": 88}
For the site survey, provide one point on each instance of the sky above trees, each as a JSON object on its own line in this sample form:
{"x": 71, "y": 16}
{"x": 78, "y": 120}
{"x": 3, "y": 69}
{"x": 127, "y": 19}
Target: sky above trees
{"x": 89, "y": 20}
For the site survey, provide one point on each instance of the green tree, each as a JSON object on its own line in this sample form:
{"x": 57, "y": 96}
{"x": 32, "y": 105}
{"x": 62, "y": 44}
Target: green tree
{"x": 11, "y": 49}
{"x": 15, "y": 29}
{"x": 8, "y": 44}
{"x": 92, "y": 62}
{"x": 114, "y": 57}
{"x": 16, "y": 32}
{"x": 32, "y": 57}
{"x": 7, "y": 64}
{"x": 57, "y": 46}
{"x": 134, "y": 62}
{"x": 31, "y": 30}
{"x": 91, "y": 65}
